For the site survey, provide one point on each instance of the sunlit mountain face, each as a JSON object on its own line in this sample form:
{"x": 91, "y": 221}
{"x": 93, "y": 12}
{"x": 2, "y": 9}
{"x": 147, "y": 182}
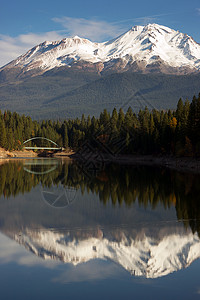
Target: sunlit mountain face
{"x": 144, "y": 219}
{"x": 150, "y": 65}
{"x": 150, "y": 48}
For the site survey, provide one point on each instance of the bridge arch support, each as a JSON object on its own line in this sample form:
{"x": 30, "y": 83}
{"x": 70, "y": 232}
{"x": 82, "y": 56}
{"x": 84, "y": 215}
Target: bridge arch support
{"x": 45, "y": 148}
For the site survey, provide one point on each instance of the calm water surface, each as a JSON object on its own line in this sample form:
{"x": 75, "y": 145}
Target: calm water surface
{"x": 121, "y": 232}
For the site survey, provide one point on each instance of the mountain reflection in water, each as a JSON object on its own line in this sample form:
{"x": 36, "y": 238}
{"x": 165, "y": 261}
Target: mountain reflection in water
{"x": 143, "y": 218}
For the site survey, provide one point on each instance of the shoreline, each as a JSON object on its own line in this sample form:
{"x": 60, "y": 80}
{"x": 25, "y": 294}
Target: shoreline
{"x": 182, "y": 164}
{"x": 5, "y": 154}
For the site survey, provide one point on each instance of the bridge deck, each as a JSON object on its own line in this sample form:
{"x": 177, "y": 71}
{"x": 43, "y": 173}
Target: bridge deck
{"x": 42, "y": 148}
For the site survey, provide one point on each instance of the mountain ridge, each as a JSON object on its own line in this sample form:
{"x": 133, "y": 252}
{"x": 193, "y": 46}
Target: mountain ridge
{"x": 148, "y": 65}
{"x": 150, "y": 48}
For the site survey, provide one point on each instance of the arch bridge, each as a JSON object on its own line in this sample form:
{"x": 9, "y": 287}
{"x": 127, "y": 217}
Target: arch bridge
{"x": 41, "y": 148}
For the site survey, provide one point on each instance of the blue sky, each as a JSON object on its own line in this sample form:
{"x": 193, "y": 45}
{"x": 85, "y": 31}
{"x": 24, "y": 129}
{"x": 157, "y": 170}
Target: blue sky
{"x": 24, "y": 24}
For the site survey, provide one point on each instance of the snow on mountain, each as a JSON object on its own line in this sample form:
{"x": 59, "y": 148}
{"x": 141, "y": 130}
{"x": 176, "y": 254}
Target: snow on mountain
{"x": 149, "y": 47}
{"x": 146, "y": 256}
{"x": 50, "y": 55}
{"x": 154, "y": 42}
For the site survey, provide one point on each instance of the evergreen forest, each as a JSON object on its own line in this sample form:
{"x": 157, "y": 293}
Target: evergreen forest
{"x": 146, "y": 132}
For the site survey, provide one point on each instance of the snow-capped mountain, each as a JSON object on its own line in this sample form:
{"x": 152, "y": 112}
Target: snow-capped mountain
{"x": 143, "y": 48}
{"x": 145, "y": 256}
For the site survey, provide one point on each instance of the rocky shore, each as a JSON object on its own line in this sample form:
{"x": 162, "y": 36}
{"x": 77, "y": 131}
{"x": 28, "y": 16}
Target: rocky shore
{"x": 186, "y": 164}
{"x": 28, "y": 153}
{"x": 183, "y": 164}
{"x": 11, "y": 154}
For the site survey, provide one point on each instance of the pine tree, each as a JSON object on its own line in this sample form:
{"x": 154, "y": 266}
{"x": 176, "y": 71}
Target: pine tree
{"x": 121, "y": 118}
{"x": 10, "y": 139}
{"x": 151, "y": 124}
{"x": 65, "y": 136}
{"x": 3, "y": 139}
{"x": 180, "y": 111}
{"x": 194, "y": 120}
{"x": 104, "y": 118}
{"x": 83, "y": 122}
{"x": 128, "y": 120}
{"x": 88, "y": 122}
{"x": 113, "y": 121}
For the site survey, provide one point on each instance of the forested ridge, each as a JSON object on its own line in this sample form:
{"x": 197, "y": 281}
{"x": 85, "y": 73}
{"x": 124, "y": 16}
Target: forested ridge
{"x": 146, "y": 132}
{"x": 66, "y": 93}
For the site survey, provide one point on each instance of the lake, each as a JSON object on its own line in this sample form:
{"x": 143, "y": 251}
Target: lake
{"x": 69, "y": 231}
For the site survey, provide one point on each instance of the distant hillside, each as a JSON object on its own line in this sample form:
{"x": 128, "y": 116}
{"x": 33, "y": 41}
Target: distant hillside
{"x": 67, "y": 94}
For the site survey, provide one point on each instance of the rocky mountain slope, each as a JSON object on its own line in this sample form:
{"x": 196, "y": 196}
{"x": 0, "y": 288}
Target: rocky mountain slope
{"x": 148, "y": 65}
{"x": 150, "y": 48}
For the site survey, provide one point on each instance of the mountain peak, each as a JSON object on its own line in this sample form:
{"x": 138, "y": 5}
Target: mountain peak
{"x": 76, "y": 37}
{"x": 136, "y": 28}
{"x": 149, "y": 48}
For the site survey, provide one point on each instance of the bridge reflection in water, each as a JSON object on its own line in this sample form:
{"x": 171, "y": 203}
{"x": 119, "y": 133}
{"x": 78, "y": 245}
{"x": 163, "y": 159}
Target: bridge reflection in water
{"x": 38, "y": 163}
{"x": 55, "y": 195}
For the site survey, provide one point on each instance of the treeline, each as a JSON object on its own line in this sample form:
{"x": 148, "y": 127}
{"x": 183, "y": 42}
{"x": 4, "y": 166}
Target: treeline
{"x": 16, "y": 129}
{"x": 147, "y": 132}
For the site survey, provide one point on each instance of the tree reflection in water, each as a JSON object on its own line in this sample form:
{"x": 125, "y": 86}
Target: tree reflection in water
{"x": 116, "y": 184}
